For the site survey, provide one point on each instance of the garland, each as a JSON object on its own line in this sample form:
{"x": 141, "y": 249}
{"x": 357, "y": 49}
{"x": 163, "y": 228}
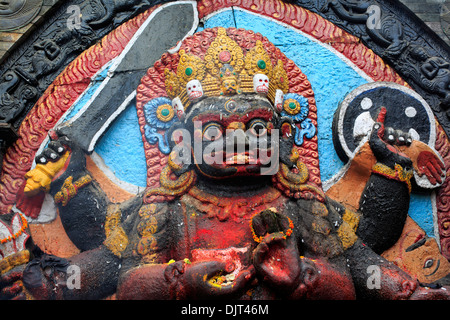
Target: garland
{"x": 259, "y": 239}
{"x": 18, "y": 233}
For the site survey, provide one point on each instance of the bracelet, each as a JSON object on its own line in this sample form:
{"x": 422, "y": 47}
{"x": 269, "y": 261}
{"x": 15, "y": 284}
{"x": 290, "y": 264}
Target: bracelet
{"x": 69, "y": 189}
{"x": 398, "y": 173}
{"x": 259, "y": 239}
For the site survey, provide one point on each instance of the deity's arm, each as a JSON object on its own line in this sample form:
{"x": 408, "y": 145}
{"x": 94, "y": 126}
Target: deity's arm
{"x": 378, "y": 222}
{"x": 91, "y": 221}
{"x": 384, "y": 203}
{"x": 362, "y": 259}
{"x": 146, "y": 272}
{"x": 374, "y": 226}
{"x": 323, "y": 263}
{"x": 374, "y": 277}
{"x": 89, "y": 275}
{"x": 81, "y": 203}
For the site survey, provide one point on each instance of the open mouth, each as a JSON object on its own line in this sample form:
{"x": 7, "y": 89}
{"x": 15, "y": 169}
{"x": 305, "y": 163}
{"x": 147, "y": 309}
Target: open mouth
{"x": 221, "y": 159}
{"x": 239, "y": 158}
{"x": 262, "y": 89}
{"x": 195, "y": 95}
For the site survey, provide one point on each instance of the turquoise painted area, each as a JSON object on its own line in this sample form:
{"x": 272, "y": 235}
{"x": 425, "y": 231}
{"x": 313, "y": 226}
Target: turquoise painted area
{"x": 224, "y": 19}
{"x": 96, "y": 82}
{"x": 331, "y": 79}
{"x": 122, "y": 149}
{"x": 421, "y": 211}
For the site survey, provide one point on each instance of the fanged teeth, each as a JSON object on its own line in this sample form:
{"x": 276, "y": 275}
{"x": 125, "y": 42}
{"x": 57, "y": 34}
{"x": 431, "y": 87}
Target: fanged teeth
{"x": 262, "y": 88}
{"x": 240, "y": 158}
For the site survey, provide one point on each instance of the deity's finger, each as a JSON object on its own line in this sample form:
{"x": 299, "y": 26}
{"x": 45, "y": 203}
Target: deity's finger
{"x": 434, "y": 172}
{"x": 390, "y": 135}
{"x": 260, "y": 252}
{"x": 276, "y": 237}
{"x": 57, "y": 147}
{"x": 50, "y": 154}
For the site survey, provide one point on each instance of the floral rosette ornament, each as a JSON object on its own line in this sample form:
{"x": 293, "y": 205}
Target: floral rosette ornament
{"x": 296, "y": 107}
{"x": 159, "y": 115}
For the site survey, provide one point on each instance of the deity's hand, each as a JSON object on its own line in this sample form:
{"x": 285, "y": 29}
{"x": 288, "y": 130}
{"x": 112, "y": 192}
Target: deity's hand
{"x": 393, "y": 147}
{"x": 48, "y": 164}
{"x": 199, "y": 280}
{"x": 276, "y": 258}
{"x": 430, "y": 165}
{"x": 385, "y": 143}
{"x": 45, "y": 277}
{"x": 11, "y": 285}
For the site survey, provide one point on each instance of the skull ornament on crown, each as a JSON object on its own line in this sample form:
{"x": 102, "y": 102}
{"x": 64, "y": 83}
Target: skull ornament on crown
{"x": 225, "y": 69}
{"x": 194, "y": 90}
{"x": 261, "y": 83}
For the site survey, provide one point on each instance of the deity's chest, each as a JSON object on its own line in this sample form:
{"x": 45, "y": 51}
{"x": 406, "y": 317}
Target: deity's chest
{"x": 225, "y": 223}
{"x": 205, "y": 232}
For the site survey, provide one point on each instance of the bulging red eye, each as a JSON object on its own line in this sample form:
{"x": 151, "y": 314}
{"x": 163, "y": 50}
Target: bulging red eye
{"x": 212, "y": 132}
{"x": 258, "y": 128}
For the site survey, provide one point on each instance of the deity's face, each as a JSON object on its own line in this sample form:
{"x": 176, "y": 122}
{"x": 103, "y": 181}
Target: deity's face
{"x": 234, "y": 136}
{"x": 229, "y": 85}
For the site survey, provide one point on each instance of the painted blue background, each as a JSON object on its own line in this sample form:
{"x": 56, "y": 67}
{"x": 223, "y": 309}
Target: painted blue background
{"x": 331, "y": 79}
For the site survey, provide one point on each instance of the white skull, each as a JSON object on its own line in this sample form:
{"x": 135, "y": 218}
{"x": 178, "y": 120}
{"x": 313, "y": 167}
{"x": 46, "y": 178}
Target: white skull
{"x": 194, "y": 89}
{"x": 178, "y": 107}
{"x": 261, "y": 83}
{"x": 279, "y": 96}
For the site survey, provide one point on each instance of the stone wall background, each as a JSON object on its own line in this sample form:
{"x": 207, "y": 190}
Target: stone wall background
{"x": 435, "y": 13}
{"x": 9, "y": 38}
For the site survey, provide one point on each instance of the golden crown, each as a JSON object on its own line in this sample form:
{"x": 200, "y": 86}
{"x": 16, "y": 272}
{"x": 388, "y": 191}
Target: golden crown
{"x": 225, "y": 70}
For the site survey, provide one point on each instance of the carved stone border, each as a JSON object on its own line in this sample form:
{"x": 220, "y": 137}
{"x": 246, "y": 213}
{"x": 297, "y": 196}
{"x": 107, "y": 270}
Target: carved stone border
{"x": 34, "y": 64}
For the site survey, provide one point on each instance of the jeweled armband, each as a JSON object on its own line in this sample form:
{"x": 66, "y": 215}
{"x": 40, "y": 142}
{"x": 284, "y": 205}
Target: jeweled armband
{"x": 69, "y": 189}
{"x": 398, "y": 173}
